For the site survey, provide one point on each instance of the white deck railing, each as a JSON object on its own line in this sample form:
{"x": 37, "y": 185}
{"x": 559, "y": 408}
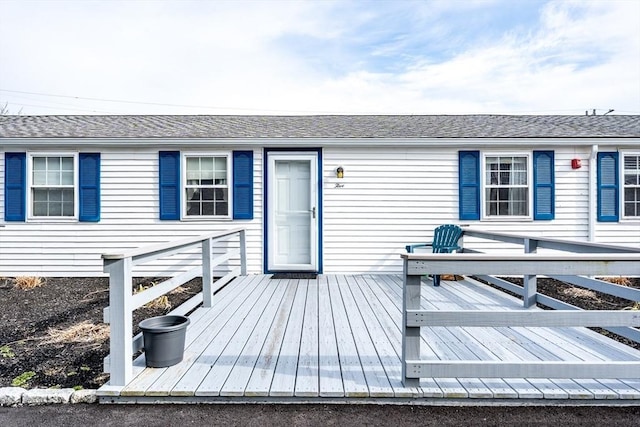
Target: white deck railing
{"x": 529, "y": 292}
{"x": 122, "y": 301}
{"x": 530, "y": 265}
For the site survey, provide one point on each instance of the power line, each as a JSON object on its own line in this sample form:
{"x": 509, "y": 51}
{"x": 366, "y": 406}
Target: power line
{"x": 62, "y": 108}
{"x": 158, "y": 104}
{"x": 289, "y": 111}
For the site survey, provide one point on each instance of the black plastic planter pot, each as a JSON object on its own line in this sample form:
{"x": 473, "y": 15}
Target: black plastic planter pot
{"x": 164, "y": 340}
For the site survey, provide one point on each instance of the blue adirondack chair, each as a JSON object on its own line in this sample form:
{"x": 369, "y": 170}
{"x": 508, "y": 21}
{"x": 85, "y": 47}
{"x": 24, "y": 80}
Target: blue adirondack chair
{"x": 445, "y": 240}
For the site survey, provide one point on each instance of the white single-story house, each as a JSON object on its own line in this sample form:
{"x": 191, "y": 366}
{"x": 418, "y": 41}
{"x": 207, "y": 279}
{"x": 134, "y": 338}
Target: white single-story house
{"x": 328, "y": 194}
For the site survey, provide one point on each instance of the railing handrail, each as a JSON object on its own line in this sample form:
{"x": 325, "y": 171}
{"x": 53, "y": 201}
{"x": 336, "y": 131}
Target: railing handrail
{"x": 165, "y": 246}
{"x": 122, "y": 302}
{"x": 524, "y": 264}
{"x": 549, "y": 243}
{"x": 479, "y": 256}
{"x": 596, "y": 260}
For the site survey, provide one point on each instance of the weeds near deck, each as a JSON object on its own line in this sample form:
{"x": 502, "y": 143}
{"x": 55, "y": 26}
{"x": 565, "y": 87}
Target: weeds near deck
{"x": 580, "y": 293}
{"x": 85, "y": 333}
{"x": 6, "y": 352}
{"x": 623, "y": 281}
{"x": 160, "y": 303}
{"x": 28, "y": 282}
{"x": 618, "y": 280}
{"x": 23, "y": 379}
{"x": 635, "y": 306}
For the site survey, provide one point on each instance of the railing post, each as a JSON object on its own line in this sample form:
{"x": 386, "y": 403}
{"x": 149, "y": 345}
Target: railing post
{"x": 530, "y": 282}
{"x": 243, "y": 253}
{"x": 207, "y": 274}
{"x": 121, "y": 319}
{"x": 410, "y": 335}
{"x": 461, "y": 241}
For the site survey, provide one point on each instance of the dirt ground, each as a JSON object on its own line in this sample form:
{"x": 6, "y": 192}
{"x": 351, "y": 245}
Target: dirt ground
{"x": 53, "y": 335}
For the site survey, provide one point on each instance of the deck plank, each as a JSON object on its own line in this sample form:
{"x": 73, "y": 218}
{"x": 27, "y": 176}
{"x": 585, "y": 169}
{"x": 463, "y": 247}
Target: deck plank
{"x": 524, "y": 388}
{"x": 307, "y": 380}
{"x": 220, "y": 313}
{"x": 284, "y": 377}
{"x": 224, "y": 351}
{"x": 599, "y": 390}
{"x": 249, "y": 291}
{"x": 375, "y": 321}
{"x": 433, "y": 347}
{"x": 330, "y": 374}
{"x": 240, "y": 374}
{"x": 623, "y": 390}
{"x": 573, "y": 388}
{"x": 499, "y": 388}
{"x": 353, "y": 378}
{"x": 262, "y": 375}
{"x": 377, "y": 380}
{"x": 159, "y": 381}
{"x": 340, "y": 337}
{"x": 390, "y": 315}
{"x": 548, "y": 388}
{"x": 633, "y": 384}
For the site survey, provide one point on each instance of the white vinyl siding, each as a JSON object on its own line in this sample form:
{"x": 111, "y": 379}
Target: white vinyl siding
{"x": 389, "y": 197}
{"x": 129, "y": 219}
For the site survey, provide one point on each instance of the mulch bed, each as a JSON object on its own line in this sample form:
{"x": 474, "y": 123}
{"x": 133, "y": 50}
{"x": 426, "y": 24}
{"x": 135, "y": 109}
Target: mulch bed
{"x": 28, "y": 316}
{"x": 28, "y": 319}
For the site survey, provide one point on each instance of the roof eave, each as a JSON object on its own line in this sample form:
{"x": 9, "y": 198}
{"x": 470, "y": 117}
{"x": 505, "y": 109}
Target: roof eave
{"x": 10, "y": 143}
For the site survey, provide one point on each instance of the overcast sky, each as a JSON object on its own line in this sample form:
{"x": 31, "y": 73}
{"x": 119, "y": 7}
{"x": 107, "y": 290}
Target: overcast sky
{"x": 320, "y": 57}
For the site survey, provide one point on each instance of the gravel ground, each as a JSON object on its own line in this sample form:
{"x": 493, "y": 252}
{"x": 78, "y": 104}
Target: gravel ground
{"x": 316, "y": 415}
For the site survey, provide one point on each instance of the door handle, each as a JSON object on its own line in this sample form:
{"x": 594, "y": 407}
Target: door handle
{"x": 313, "y": 212}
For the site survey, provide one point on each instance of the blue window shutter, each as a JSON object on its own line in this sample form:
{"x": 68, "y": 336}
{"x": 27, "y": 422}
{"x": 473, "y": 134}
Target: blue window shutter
{"x": 543, "y": 185}
{"x": 243, "y": 184}
{"x": 15, "y": 186}
{"x": 89, "y": 186}
{"x": 169, "y": 165}
{"x": 469, "y": 185}
{"x": 608, "y": 188}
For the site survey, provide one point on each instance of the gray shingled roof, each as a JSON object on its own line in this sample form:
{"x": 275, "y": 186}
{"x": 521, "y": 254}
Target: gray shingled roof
{"x": 227, "y": 127}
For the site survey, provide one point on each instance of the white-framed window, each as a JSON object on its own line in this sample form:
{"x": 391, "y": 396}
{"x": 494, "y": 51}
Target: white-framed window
{"x": 630, "y": 185}
{"x": 206, "y": 185}
{"x": 507, "y": 191}
{"x": 52, "y": 186}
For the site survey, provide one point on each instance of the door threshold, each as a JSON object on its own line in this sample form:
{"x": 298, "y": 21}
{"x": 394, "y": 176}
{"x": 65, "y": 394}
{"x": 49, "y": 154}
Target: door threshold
{"x": 281, "y": 276}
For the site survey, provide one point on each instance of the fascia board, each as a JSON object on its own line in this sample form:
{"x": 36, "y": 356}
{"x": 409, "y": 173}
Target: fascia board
{"x": 7, "y": 144}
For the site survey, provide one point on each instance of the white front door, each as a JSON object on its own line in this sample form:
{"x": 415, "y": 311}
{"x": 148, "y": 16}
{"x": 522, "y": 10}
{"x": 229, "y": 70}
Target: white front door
{"x": 292, "y": 200}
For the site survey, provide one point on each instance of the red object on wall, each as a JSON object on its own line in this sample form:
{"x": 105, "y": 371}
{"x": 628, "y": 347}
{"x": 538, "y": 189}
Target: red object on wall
{"x": 576, "y": 164}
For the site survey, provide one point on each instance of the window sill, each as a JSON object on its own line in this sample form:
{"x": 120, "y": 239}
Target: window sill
{"x": 206, "y": 218}
{"x": 506, "y": 219}
{"x": 52, "y": 220}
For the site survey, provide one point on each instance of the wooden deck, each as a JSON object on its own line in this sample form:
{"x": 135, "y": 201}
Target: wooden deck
{"x": 338, "y": 339}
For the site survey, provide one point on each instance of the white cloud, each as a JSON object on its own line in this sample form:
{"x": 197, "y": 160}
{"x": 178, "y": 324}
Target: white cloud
{"x": 567, "y": 64}
{"x": 305, "y": 57}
